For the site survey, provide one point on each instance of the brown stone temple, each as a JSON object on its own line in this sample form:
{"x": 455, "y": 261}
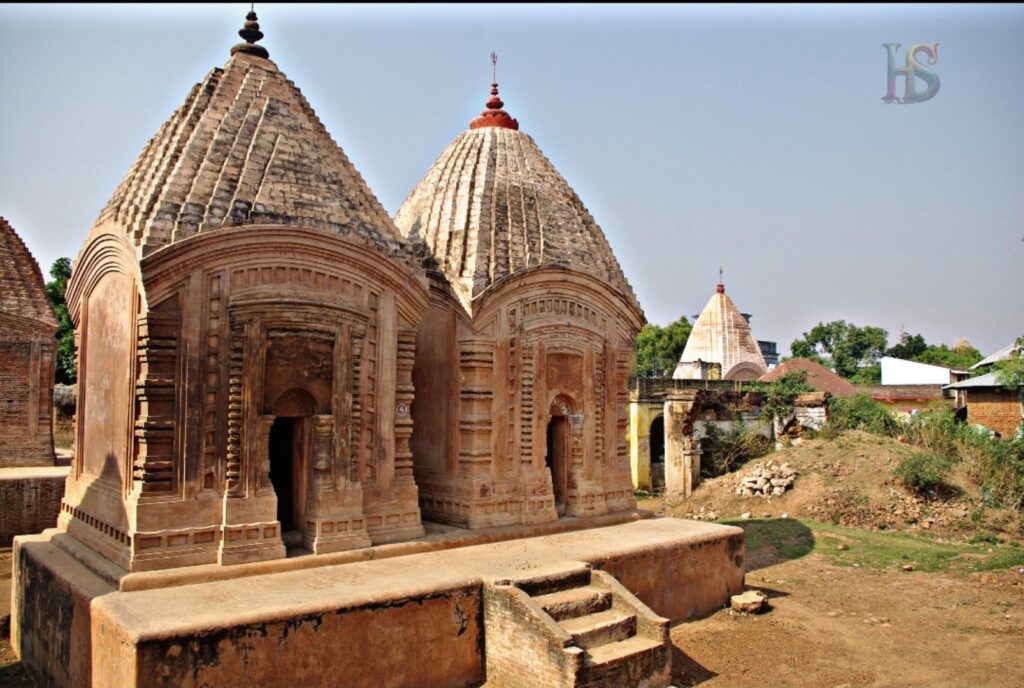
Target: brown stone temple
{"x": 27, "y": 357}
{"x": 524, "y": 354}
{"x": 270, "y": 366}
{"x": 246, "y": 315}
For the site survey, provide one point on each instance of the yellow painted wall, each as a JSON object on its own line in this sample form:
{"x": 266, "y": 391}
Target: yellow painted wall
{"x": 641, "y": 415}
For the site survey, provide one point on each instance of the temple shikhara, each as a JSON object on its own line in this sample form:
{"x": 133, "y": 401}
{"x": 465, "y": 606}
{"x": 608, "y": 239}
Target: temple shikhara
{"x": 721, "y": 337}
{"x": 304, "y": 429}
{"x": 524, "y": 355}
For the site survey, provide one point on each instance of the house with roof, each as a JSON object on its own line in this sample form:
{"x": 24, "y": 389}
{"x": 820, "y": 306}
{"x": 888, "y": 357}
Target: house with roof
{"x": 989, "y": 403}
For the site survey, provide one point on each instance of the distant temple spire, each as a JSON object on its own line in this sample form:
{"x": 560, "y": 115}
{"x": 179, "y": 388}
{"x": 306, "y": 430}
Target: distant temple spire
{"x": 494, "y": 116}
{"x": 251, "y": 33}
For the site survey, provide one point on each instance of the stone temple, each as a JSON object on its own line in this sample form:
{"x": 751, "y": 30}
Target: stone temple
{"x": 524, "y": 354}
{"x": 721, "y": 335}
{"x": 247, "y": 314}
{"x": 313, "y": 442}
{"x": 27, "y": 357}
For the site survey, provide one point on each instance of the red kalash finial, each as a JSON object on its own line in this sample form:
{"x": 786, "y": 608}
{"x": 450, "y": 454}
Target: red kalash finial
{"x": 720, "y": 288}
{"x": 494, "y": 116}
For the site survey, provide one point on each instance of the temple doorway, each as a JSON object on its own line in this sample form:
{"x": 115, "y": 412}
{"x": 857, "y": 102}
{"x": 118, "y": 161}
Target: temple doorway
{"x": 558, "y": 454}
{"x": 288, "y": 448}
{"x": 657, "y": 439}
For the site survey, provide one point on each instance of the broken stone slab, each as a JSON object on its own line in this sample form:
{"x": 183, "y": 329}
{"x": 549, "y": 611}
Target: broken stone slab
{"x": 749, "y": 602}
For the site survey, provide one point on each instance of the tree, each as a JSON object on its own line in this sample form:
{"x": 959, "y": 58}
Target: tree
{"x": 960, "y": 356}
{"x": 60, "y": 271}
{"x": 910, "y": 346}
{"x": 658, "y": 348}
{"x": 1010, "y": 371}
{"x": 853, "y": 352}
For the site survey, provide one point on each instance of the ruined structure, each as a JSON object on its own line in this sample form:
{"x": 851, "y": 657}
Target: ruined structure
{"x": 27, "y": 357}
{"x": 246, "y": 317}
{"x": 721, "y": 335}
{"x": 526, "y": 348}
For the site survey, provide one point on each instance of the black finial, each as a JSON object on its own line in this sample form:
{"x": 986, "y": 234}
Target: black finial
{"x": 251, "y": 33}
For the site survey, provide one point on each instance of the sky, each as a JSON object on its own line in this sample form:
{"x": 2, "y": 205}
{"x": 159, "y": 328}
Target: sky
{"x": 748, "y": 138}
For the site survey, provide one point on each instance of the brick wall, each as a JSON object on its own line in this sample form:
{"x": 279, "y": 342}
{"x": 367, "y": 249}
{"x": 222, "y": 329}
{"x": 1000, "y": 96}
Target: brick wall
{"x": 29, "y": 503}
{"x": 26, "y": 402}
{"x": 524, "y": 648}
{"x": 997, "y": 410}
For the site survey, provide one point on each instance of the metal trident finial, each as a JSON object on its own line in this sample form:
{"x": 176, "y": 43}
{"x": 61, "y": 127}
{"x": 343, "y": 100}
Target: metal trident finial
{"x": 494, "y": 68}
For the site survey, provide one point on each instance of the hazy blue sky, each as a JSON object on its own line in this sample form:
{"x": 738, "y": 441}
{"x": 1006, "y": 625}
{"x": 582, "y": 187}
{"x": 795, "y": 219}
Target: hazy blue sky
{"x": 751, "y": 138}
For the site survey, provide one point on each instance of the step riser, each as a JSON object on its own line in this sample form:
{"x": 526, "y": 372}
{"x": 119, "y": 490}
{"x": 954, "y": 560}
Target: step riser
{"x": 542, "y": 586}
{"x": 610, "y": 633}
{"x": 598, "y": 602}
{"x": 630, "y": 670}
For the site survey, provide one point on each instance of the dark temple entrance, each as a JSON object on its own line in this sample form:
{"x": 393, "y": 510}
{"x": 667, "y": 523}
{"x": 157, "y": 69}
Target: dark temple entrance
{"x": 557, "y": 458}
{"x": 288, "y": 449}
{"x": 657, "y": 439}
{"x": 282, "y": 470}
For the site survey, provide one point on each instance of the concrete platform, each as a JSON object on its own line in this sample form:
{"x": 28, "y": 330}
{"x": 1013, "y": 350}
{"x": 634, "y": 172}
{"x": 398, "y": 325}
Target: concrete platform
{"x": 412, "y": 620}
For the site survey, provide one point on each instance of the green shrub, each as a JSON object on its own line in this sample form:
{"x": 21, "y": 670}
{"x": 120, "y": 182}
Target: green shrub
{"x": 861, "y": 412}
{"x": 923, "y": 472}
{"x": 727, "y": 450}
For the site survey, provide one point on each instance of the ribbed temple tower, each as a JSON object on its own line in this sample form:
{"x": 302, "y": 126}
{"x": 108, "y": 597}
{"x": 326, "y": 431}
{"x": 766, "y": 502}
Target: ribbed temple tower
{"x": 246, "y": 315}
{"x": 526, "y": 348}
{"x": 27, "y": 357}
{"x": 721, "y": 335}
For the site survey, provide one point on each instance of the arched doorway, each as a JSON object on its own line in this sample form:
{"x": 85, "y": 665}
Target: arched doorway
{"x": 559, "y": 448}
{"x": 288, "y": 447}
{"x": 657, "y": 440}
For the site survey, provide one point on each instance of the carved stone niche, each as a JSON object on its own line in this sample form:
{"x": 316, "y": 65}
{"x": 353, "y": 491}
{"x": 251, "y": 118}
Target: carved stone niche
{"x": 296, "y": 381}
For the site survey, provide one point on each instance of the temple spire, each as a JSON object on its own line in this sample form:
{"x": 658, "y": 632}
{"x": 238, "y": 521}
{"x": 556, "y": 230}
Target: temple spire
{"x": 251, "y": 33}
{"x": 494, "y": 115}
{"x": 720, "y": 288}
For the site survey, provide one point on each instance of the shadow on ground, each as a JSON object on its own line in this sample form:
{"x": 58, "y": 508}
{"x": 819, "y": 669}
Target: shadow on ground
{"x": 773, "y": 541}
{"x": 686, "y": 671}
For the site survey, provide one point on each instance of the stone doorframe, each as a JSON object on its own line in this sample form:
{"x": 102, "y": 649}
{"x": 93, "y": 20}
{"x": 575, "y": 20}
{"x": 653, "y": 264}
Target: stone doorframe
{"x": 333, "y": 515}
{"x": 563, "y": 406}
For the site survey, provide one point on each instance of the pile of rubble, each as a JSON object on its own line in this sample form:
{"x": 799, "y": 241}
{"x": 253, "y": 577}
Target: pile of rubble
{"x": 768, "y": 479}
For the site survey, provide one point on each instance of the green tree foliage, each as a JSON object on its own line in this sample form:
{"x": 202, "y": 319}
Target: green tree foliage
{"x": 780, "y": 394}
{"x": 1010, "y": 372}
{"x": 960, "y": 356}
{"x": 60, "y": 271}
{"x": 658, "y": 348}
{"x": 853, "y": 352}
{"x": 909, "y": 347}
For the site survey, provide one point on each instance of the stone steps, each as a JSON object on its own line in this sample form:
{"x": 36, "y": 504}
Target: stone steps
{"x": 601, "y": 618}
{"x": 601, "y": 628}
{"x": 574, "y": 602}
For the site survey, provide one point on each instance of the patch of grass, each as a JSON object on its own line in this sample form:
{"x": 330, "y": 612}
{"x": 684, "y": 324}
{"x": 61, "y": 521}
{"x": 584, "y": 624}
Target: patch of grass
{"x": 792, "y": 538}
{"x": 786, "y": 538}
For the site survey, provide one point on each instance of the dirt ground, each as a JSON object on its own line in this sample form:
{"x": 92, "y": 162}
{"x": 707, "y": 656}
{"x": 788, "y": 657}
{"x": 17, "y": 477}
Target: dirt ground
{"x": 851, "y": 626}
{"x": 843, "y": 611}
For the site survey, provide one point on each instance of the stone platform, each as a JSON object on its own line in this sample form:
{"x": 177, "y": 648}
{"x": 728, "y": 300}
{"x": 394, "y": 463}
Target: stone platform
{"x": 29, "y": 499}
{"x": 410, "y": 620}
